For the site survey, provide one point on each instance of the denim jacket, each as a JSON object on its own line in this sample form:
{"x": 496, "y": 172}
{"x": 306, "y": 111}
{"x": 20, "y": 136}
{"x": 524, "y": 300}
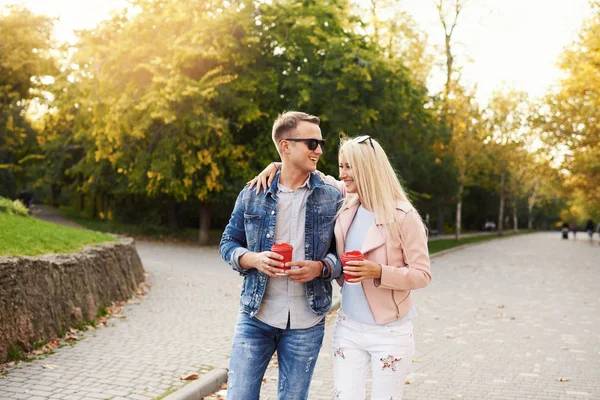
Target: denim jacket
{"x": 252, "y": 226}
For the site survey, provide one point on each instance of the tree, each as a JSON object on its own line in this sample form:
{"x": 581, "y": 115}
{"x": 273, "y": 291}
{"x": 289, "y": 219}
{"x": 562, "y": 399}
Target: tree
{"x": 570, "y": 115}
{"x": 506, "y": 117}
{"x": 24, "y": 60}
{"x": 148, "y": 81}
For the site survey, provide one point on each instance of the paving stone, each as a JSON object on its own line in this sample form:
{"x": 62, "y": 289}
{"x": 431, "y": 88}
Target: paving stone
{"x": 501, "y": 319}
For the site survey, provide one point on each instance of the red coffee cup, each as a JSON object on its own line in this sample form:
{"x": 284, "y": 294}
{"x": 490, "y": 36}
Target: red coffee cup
{"x": 353, "y": 255}
{"x": 285, "y": 250}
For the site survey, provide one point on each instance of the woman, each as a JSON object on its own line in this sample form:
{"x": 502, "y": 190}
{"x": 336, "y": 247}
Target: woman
{"x": 374, "y": 327}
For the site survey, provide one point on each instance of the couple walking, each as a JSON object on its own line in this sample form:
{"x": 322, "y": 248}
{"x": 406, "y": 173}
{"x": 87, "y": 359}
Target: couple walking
{"x": 284, "y": 309}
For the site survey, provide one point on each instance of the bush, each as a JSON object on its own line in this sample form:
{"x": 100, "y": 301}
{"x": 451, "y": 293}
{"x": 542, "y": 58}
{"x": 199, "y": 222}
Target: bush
{"x": 12, "y": 207}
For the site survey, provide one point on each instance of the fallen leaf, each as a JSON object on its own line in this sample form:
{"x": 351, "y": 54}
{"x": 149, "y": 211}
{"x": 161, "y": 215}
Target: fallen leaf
{"x": 189, "y": 377}
{"x": 501, "y": 306}
{"x": 264, "y": 380}
{"x": 499, "y": 315}
{"x": 49, "y": 366}
{"x": 562, "y": 379}
{"x": 416, "y": 360}
{"x": 564, "y": 348}
{"x": 513, "y": 318}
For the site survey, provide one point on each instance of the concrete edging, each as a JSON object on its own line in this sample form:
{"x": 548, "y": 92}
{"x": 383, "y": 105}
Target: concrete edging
{"x": 206, "y": 385}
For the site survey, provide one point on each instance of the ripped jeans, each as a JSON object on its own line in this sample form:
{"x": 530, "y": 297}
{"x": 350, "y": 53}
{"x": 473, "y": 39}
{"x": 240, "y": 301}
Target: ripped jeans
{"x": 255, "y": 342}
{"x": 386, "y": 349}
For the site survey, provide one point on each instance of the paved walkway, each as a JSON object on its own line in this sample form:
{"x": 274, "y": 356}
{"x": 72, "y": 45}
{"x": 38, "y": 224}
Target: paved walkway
{"x": 51, "y": 214}
{"x": 501, "y": 320}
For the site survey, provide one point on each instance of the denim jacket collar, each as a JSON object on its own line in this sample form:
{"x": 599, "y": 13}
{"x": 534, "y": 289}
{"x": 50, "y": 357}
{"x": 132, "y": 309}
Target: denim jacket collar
{"x": 313, "y": 182}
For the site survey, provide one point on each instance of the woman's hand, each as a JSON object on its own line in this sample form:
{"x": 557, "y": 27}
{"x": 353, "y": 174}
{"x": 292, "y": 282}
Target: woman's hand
{"x": 362, "y": 270}
{"x": 265, "y": 178}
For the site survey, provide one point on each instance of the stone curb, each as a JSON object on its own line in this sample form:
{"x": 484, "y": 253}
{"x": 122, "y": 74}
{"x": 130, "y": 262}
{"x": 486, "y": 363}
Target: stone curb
{"x": 206, "y": 385}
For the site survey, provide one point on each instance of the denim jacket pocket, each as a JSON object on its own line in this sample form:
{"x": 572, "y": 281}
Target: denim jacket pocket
{"x": 252, "y": 227}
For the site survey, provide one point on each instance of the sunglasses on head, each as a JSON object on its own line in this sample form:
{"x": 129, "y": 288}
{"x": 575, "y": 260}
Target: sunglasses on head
{"x": 364, "y": 138}
{"x": 310, "y": 143}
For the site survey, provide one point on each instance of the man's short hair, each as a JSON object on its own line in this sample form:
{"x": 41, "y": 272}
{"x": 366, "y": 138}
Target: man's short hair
{"x": 288, "y": 121}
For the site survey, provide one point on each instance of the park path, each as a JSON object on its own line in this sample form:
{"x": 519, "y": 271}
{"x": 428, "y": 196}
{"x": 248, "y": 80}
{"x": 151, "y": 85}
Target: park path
{"x": 51, "y": 214}
{"x": 501, "y": 320}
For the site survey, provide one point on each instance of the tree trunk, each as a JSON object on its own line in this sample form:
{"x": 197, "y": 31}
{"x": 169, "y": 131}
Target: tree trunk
{"x": 95, "y": 208}
{"x": 204, "y": 224}
{"x": 501, "y": 210}
{"x": 459, "y": 198}
{"x": 172, "y": 219}
{"x": 440, "y": 220}
{"x": 530, "y": 204}
{"x": 515, "y": 217}
{"x": 81, "y": 202}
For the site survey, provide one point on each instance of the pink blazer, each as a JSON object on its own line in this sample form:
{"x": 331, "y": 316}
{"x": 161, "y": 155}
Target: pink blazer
{"x": 405, "y": 263}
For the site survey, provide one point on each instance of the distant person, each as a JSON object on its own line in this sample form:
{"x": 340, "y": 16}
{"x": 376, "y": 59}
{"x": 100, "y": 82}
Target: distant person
{"x": 589, "y": 228}
{"x": 565, "y": 231}
{"x": 26, "y": 197}
{"x": 574, "y": 228}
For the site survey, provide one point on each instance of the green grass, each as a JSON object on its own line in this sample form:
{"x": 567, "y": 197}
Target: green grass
{"x": 26, "y": 236}
{"x": 445, "y": 244}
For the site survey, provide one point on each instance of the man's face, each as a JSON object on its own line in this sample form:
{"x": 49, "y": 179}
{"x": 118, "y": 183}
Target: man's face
{"x": 298, "y": 154}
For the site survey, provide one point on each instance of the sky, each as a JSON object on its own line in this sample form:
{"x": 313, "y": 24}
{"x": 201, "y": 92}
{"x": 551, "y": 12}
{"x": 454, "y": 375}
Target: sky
{"x": 513, "y": 43}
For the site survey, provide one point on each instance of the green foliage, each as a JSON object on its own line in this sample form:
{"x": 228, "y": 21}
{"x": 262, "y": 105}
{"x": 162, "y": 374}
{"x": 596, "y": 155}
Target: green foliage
{"x": 102, "y": 311}
{"x": 24, "y": 236}
{"x": 15, "y": 353}
{"x": 13, "y": 207}
{"x": 24, "y": 59}
{"x": 569, "y": 119}
{"x": 159, "y": 116}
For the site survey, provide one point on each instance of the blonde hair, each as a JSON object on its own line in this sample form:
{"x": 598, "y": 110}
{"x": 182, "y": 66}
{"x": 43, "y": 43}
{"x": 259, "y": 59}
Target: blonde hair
{"x": 377, "y": 183}
{"x": 288, "y": 121}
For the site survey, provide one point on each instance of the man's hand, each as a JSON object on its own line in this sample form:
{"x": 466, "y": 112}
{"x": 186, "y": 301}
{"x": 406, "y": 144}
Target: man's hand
{"x": 362, "y": 270}
{"x": 266, "y": 262}
{"x": 308, "y": 270}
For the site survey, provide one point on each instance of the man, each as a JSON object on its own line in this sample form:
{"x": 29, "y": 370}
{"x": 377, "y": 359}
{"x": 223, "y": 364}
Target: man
{"x": 283, "y": 311}
{"x": 26, "y": 197}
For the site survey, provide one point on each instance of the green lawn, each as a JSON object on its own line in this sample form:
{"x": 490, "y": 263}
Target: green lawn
{"x": 444, "y": 244}
{"x": 26, "y": 236}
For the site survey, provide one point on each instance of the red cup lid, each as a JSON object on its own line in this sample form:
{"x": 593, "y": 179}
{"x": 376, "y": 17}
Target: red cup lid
{"x": 282, "y": 247}
{"x": 352, "y": 254}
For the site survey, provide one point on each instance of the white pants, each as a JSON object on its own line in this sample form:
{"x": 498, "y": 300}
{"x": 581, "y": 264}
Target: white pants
{"x": 387, "y": 349}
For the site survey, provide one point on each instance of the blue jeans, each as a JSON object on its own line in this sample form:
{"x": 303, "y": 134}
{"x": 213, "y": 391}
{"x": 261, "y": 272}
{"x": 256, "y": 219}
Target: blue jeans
{"x": 255, "y": 342}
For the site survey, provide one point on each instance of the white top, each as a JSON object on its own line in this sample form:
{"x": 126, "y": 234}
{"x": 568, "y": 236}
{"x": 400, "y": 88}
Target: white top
{"x": 283, "y": 297}
{"x": 354, "y": 302}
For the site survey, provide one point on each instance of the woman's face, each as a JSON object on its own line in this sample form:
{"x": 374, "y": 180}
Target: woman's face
{"x": 347, "y": 175}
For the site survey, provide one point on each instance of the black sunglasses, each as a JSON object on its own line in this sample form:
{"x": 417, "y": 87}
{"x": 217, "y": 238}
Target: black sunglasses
{"x": 310, "y": 143}
{"x": 364, "y": 138}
